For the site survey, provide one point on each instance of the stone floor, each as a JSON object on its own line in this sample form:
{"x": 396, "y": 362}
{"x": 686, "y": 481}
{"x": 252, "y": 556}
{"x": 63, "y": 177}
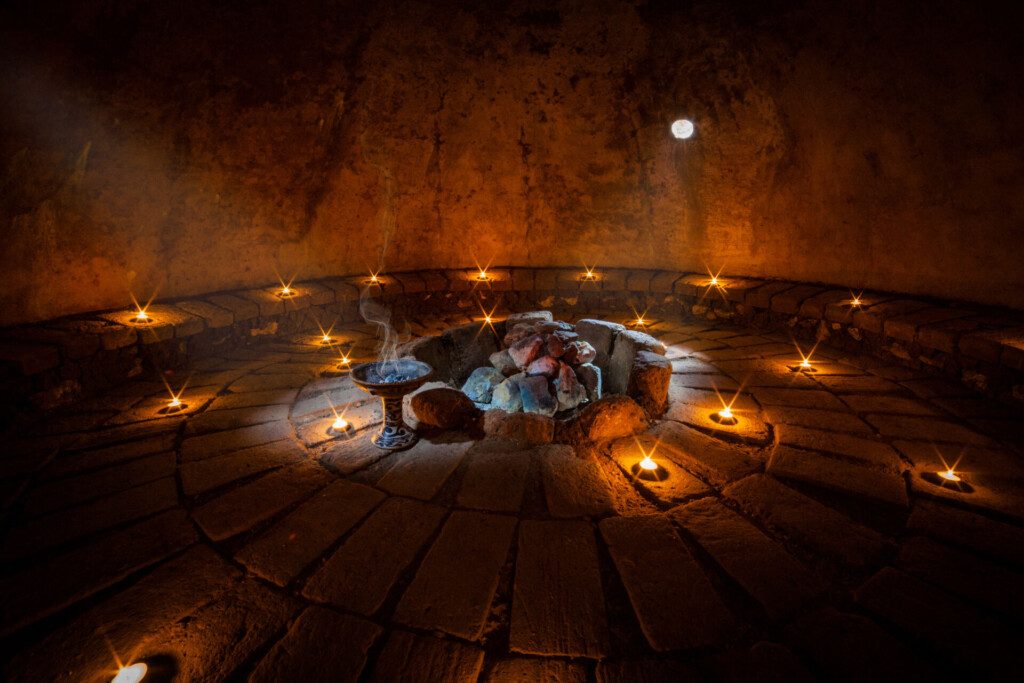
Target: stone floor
{"x": 240, "y": 539}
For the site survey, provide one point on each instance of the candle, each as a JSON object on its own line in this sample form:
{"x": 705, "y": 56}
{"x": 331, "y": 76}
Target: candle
{"x": 648, "y": 464}
{"x": 131, "y": 674}
{"x": 340, "y": 424}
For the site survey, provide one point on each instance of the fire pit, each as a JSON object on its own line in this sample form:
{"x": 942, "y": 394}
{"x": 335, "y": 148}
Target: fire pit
{"x": 391, "y": 380}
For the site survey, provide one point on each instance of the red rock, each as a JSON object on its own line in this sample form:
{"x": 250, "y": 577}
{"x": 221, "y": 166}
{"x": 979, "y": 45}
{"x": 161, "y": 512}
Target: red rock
{"x": 579, "y": 352}
{"x": 611, "y": 417}
{"x": 525, "y": 351}
{"x": 545, "y": 365}
{"x": 518, "y": 332}
{"x": 526, "y": 428}
{"x": 568, "y": 391}
{"x": 555, "y": 346}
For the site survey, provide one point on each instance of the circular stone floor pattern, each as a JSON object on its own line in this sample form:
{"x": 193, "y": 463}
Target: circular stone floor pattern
{"x": 242, "y": 538}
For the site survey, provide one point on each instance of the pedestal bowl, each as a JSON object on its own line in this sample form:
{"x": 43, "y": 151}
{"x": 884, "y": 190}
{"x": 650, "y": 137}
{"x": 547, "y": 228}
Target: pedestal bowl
{"x": 391, "y": 380}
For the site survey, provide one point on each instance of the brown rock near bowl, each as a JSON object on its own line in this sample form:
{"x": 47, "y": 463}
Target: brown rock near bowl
{"x": 445, "y": 408}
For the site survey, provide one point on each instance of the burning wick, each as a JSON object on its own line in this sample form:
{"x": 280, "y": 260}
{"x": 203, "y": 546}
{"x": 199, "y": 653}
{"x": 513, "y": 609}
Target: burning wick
{"x": 482, "y": 275}
{"x": 174, "y": 403}
{"x": 855, "y": 302}
{"x": 345, "y": 360}
{"x": 726, "y": 413}
{"x": 326, "y": 339}
{"x": 648, "y": 464}
{"x": 374, "y": 279}
{"x": 340, "y": 424}
{"x": 131, "y": 674}
{"x": 950, "y": 475}
{"x": 142, "y": 317}
{"x": 286, "y": 291}
{"x": 805, "y": 363}
{"x": 714, "y": 280}
{"x": 589, "y": 275}
{"x": 487, "y": 319}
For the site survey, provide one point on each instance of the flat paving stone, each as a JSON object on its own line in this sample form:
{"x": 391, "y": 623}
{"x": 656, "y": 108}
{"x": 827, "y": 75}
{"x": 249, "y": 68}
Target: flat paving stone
{"x": 246, "y": 506}
{"x": 926, "y": 429}
{"x": 209, "y": 445}
{"x": 421, "y": 471}
{"x": 646, "y": 671}
{"x": 200, "y": 476}
{"x": 851, "y": 648}
{"x": 80, "y": 650}
{"x": 305, "y": 534}
{"x": 824, "y": 529}
{"x": 916, "y": 607}
{"x": 409, "y": 657}
{"x": 749, "y": 428}
{"x": 969, "y": 530}
{"x": 763, "y": 662}
{"x": 495, "y": 480}
{"x": 973, "y": 578}
{"x": 218, "y": 640}
{"x": 670, "y": 483}
{"x": 775, "y": 579}
{"x": 573, "y": 486}
{"x": 321, "y": 645}
{"x": 522, "y": 669}
{"x": 351, "y": 453}
{"x": 674, "y": 601}
{"x": 557, "y": 601}
{"x": 820, "y": 470}
{"x": 83, "y": 571}
{"x": 82, "y": 461}
{"x": 361, "y": 573}
{"x": 232, "y": 418}
{"x": 869, "y": 451}
{"x": 714, "y": 460}
{"x": 64, "y": 493}
{"x": 58, "y": 528}
{"x": 828, "y": 420}
{"x": 798, "y": 398}
{"x": 894, "y": 405}
{"x": 455, "y": 584}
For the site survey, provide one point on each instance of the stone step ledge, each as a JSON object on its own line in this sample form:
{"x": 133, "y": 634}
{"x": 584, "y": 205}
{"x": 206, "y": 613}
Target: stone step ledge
{"x": 914, "y": 330}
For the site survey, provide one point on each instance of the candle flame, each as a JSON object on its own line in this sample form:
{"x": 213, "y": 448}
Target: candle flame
{"x": 950, "y": 475}
{"x": 713, "y": 280}
{"x": 855, "y": 299}
{"x": 589, "y": 272}
{"x": 131, "y": 674}
{"x": 339, "y": 424}
{"x": 286, "y": 287}
{"x": 726, "y": 413}
{"x": 648, "y": 464}
{"x": 141, "y": 314}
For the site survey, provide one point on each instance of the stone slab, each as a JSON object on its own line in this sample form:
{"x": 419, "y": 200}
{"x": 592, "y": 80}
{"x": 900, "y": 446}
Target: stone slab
{"x": 558, "y": 606}
{"x": 361, "y": 573}
{"x": 495, "y": 480}
{"x": 832, "y": 473}
{"x": 321, "y": 645}
{"x": 765, "y": 570}
{"x": 673, "y": 599}
{"x": 421, "y": 471}
{"x": 824, "y": 529}
{"x": 40, "y": 590}
{"x": 246, "y": 506}
{"x": 455, "y": 584}
{"x": 573, "y": 486}
{"x": 409, "y": 657}
{"x": 292, "y": 544}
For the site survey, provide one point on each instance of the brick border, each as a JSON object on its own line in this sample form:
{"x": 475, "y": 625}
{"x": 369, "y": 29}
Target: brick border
{"x": 55, "y": 362}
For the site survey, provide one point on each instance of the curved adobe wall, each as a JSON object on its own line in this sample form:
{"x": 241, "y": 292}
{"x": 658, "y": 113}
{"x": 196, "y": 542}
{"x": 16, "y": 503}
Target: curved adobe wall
{"x": 176, "y": 147}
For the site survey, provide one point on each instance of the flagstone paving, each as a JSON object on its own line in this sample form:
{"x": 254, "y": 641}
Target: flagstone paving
{"x": 244, "y": 539}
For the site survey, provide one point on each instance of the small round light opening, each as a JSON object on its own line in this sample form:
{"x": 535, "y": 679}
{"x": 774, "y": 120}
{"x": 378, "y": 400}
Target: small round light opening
{"x": 682, "y": 129}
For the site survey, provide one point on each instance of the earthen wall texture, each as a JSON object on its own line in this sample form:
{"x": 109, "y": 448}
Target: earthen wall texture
{"x": 182, "y": 147}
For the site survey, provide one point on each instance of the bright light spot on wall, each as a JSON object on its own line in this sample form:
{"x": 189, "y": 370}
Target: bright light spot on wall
{"x": 682, "y": 129}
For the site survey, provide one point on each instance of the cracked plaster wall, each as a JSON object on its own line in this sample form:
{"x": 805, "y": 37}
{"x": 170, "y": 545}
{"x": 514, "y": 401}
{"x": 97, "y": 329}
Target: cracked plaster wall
{"x": 184, "y": 147}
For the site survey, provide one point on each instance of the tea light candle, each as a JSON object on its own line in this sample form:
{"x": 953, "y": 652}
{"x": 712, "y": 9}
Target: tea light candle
{"x": 131, "y": 674}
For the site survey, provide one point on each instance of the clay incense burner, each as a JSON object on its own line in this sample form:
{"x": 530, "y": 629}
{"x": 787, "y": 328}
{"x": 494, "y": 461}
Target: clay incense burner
{"x": 391, "y": 380}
